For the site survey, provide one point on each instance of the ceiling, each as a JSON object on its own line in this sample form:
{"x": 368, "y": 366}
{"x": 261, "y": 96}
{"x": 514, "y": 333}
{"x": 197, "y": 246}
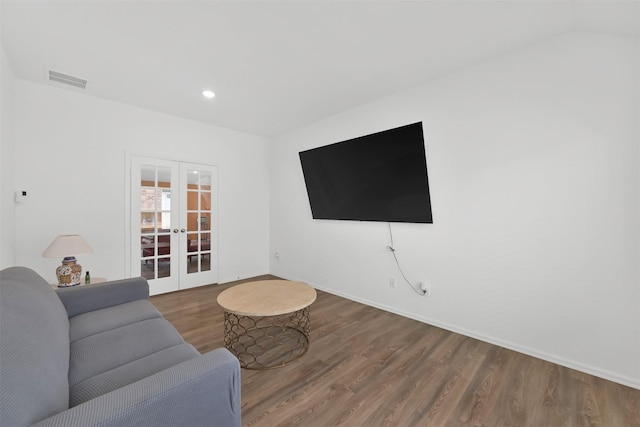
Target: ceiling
{"x": 278, "y": 65}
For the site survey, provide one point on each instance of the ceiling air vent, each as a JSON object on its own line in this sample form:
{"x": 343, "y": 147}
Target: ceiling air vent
{"x": 67, "y": 79}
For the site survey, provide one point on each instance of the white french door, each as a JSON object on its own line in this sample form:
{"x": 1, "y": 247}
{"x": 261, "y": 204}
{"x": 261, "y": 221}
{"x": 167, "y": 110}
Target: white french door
{"x": 173, "y": 223}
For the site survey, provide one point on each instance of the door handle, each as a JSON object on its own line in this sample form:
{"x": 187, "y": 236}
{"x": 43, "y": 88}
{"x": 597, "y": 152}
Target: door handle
{"x": 175, "y": 230}
{"x": 183, "y": 230}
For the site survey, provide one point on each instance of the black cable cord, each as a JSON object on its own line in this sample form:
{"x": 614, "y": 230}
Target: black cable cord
{"x": 393, "y": 251}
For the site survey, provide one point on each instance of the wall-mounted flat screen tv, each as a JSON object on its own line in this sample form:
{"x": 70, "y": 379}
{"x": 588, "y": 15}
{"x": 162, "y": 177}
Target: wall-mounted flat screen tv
{"x": 377, "y": 177}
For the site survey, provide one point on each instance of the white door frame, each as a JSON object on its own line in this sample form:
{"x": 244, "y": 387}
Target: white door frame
{"x": 184, "y": 280}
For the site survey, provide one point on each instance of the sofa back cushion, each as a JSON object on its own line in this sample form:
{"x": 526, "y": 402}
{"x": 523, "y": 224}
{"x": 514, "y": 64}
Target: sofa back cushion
{"x": 34, "y": 348}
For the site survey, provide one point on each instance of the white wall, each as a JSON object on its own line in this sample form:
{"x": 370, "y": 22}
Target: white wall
{"x": 533, "y": 166}
{"x": 68, "y": 143}
{"x": 7, "y": 218}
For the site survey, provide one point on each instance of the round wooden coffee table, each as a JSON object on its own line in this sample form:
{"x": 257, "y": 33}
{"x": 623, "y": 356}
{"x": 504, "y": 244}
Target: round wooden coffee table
{"x": 266, "y": 323}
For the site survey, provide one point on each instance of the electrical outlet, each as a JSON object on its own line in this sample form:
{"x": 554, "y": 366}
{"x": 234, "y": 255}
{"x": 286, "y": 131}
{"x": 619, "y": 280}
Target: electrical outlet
{"x": 426, "y": 288}
{"x": 392, "y": 282}
{"x": 277, "y": 255}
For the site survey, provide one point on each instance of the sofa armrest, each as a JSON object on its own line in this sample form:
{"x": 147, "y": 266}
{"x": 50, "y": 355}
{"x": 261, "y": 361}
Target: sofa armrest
{"x": 81, "y": 299}
{"x": 204, "y": 391}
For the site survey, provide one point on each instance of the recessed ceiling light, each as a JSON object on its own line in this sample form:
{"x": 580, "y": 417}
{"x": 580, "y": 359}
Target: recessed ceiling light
{"x": 208, "y": 94}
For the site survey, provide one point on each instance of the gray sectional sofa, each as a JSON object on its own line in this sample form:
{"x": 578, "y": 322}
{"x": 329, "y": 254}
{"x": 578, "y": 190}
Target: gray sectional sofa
{"x": 102, "y": 355}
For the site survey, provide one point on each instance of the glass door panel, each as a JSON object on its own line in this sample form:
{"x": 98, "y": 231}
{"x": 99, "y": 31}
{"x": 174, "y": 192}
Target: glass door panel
{"x": 198, "y": 260}
{"x": 153, "y": 208}
{"x": 155, "y": 221}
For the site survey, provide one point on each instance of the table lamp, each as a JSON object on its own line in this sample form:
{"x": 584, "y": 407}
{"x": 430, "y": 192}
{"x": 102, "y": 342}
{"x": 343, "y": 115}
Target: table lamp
{"x": 67, "y": 246}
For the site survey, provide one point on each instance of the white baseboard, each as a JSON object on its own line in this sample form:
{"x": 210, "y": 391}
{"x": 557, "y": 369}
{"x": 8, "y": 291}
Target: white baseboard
{"x": 222, "y": 281}
{"x": 572, "y": 364}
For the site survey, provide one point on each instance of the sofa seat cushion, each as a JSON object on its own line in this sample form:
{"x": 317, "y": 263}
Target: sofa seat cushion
{"x": 95, "y": 322}
{"x": 104, "y": 351}
{"x": 129, "y": 373}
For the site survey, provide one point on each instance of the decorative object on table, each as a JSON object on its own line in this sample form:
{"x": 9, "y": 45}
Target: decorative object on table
{"x": 87, "y": 278}
{"x": 67, "y": 246}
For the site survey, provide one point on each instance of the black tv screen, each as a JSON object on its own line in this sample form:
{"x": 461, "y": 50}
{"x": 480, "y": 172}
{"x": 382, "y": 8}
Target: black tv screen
{"x": 378, "y": 177}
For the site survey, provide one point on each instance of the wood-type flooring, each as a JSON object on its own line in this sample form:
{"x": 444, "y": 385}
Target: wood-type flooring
{"x": 368, "y": 367}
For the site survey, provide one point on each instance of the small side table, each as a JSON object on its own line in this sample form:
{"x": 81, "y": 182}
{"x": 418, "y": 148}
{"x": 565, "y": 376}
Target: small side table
{"x": 94, "y": 280}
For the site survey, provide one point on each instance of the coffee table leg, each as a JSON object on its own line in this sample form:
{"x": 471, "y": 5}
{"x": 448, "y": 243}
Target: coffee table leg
{"x": 268, "y": 341}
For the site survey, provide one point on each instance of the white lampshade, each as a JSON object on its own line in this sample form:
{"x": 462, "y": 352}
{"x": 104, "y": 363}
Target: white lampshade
{"x": 67, "y": 245}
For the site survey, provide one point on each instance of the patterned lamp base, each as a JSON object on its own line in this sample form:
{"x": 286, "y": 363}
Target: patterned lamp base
{"x": 69, "y": 273}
